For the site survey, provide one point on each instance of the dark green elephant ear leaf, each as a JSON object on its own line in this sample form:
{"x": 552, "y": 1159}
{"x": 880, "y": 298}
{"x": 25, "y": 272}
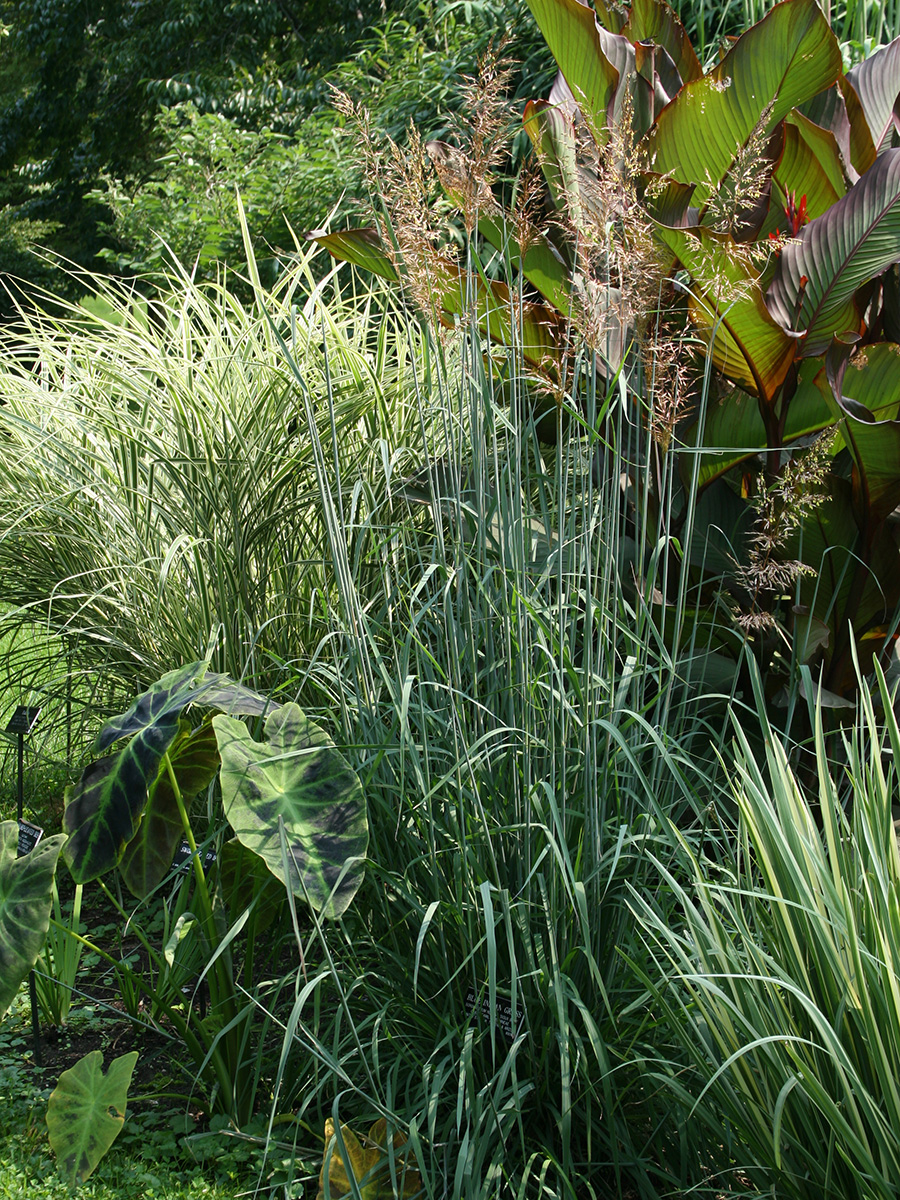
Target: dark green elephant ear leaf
{"x": 194, "y": 756}
{"x": 221, "y": 692}
{"x": 26, "y": 888}
{"x": 86, "y": 1112}
{"x": 192, "y": 684}
{"x": 167, "y": 697}
{"x": 297, "y": 778}
{"x": 104, "y": 808}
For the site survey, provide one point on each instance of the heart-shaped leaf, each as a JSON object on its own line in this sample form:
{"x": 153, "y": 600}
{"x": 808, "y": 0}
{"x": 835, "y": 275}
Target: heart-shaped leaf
{"x": 26, "y": 890}
{"x": 161, "y": 702}
{"x": 297, "y": 779}
{"x": 192, "y": 684}
{"x": 818, "y": 274}
{"x": 789, "y": 56}
{"x": 367, "y": 1158}
{"x": 245, "y": 879}
{"x": 86, "y": 1112}
{"x": 194, "y": 756}
{"x": 104, "y": 809}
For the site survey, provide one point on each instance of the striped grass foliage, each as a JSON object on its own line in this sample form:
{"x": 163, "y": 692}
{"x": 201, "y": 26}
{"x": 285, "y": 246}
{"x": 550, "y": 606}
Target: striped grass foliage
{"x": 159, "y": 494}
{"x": 493, "y": 658}
{"x": 783, "y": 972}
{"x": 349, "y": 508}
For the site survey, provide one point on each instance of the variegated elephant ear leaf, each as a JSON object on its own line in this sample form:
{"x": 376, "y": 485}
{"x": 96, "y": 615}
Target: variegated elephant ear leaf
{"x": 26, "y": 888}
{"x": 296, "y": 779}
{"x": 105, "y": 808}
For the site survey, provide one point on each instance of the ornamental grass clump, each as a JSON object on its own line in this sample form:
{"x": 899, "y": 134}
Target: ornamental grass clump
{"x": 721, "y": 240}
{"x": 157, "y": 497}
{"x": 782, "y": 973}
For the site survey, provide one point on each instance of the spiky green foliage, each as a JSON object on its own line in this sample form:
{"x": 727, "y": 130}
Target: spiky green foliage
{"x": 781, "y": 974}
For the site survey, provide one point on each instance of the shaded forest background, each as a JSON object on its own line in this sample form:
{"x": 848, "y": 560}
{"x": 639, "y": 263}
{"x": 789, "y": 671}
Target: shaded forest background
{"x": 126, "y": 126}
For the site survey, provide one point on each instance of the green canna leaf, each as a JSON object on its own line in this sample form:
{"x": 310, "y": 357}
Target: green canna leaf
{"x": 787, "y": 58}
{"x": 876, "y": 81}
{"x": 810, "y": 166}
{"x": 654, "y": 21}
{"x": 727, "y": 305}
{"x": 591, "y": 59}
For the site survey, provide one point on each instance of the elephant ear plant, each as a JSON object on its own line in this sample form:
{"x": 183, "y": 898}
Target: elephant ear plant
{"x": 753, "y": 208}
{"x": 298, "y": 816}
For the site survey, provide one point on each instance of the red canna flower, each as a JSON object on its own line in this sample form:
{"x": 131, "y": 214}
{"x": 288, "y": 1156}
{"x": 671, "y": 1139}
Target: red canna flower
{"x": 796, "y": 213}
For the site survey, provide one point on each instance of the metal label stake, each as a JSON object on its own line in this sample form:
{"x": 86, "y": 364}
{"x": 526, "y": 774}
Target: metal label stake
{"x": 21, "y": 723}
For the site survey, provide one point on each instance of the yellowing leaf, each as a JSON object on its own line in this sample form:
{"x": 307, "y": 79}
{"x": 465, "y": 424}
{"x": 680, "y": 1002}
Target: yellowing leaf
{"x": 368, "y": 1159}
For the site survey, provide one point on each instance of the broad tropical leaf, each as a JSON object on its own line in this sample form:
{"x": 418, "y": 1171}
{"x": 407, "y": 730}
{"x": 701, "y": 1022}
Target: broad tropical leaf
{"x": 362, "y": 247}
{"x": 148, "y": 857}
{"x": 553, "y": 137}
{"x": 245, "y": 878}
{"x": 536, "y": 331}
{"x": 586, "y": 55}
{"x": 296, "y": 778}
{"x": 810, "y": 166}
{"x": 191, "y": 684}
{"x": 818, "y": 275}
{"x": 876, "y": 80}
{"x": 167, "y": 697}
{"x": 733, "y": 429}
{"x": 727, "y": 304}
{"x": 872, "y": 379}
{"x": 86, "y": 1112}
{"x": 104, "y": 809}
{"x": 867, "y": 404}
{"x": 369, "y": 1165}
{"x": 26, "y": 890}
{"x": 830, "y": 541}
{"x": 787, "y": 58}
{"x": 542, "y": 264}
{"x": 654, "y": 21}
{"x": 838, "y": 110}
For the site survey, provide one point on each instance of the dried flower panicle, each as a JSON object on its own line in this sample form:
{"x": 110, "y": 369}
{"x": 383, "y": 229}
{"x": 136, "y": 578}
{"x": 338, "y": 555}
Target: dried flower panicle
{"x": 746, "y": 183}
{"x": 781, "y": 509}
{"x": 670, "y": 378}
{"x": 402, "y": 178}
